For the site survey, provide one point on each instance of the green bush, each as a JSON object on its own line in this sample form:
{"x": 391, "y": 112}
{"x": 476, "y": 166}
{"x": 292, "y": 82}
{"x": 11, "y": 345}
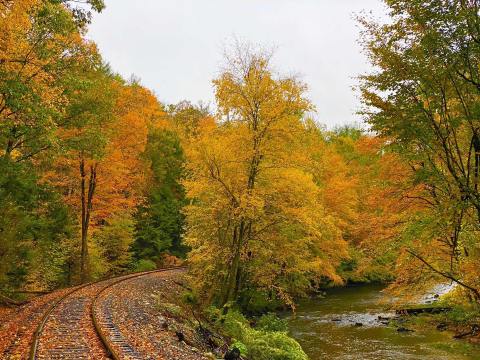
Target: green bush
{"x": 213, "y": 313}
{"x": 190, "y": 298}
{"x": 240, "y": 346}
{"x": 274, "y": 346}
{"x": 145, "y": 265}
{"x": 167, "y": 308}
{"x": 236, "y": 325}
{"x": 462, "y": 315}
{"x": 262, "y": 344}
{"x": 254, "y": 302}
{"x": 271, "y": 322}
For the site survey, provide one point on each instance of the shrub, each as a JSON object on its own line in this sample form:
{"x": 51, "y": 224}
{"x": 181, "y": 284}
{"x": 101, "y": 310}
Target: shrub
{"x": 213, "y": 313}
{"x": 462, "y": 315}
{"x": 274, "y": 346}
{"x": 263, "y": 344}
{"x": 236, "y": 325}
{"x": 168, "y": 308}
{"x": 240, "y": 346}
{"x": 255, "y": 302}
{"x": 271, "y": 322}
{"x": 145, "y": 265}
{"x": 190, "y": 298}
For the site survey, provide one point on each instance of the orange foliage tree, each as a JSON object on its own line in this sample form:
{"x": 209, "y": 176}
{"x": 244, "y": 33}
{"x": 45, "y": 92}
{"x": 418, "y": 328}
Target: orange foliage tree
{"x": 369, "y": 194}
{"x": 102, "y": 171}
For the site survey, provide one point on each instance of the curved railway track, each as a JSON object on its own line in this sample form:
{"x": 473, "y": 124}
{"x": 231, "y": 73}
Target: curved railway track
{"x": 16, "y": 334}
{"x": 80, "y": 307}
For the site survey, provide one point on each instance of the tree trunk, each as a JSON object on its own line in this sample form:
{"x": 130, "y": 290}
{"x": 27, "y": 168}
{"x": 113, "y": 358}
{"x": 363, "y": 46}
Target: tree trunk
{"x": 231, "y": 283}
{"x": 476, "y": 149}
{"x": 228, "y": 280}
{"x": 8, "y": 150}
{"x": 86, "y": 199}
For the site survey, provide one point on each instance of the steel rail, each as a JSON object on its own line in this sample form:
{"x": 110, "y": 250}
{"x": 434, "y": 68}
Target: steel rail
{"x": 38, "y": 332}
{"x": 96, "y": 322}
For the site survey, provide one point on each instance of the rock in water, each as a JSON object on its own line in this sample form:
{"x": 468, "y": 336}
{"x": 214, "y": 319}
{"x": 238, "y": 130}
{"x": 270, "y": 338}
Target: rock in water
{"x": 442, "y": 326}
{"x": 233, "y": 354}
{"x": 404, "y": 329}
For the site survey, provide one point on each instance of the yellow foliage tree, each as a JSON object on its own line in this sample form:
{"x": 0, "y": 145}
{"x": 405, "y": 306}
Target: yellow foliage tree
{"x": 41, "y": 49}
{"x": 256, "y": 218}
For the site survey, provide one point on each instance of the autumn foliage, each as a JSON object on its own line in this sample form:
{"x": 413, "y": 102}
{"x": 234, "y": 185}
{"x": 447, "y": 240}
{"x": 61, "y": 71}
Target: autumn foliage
{"x": 98, "y": 178}
{"x": 279, "y": 206}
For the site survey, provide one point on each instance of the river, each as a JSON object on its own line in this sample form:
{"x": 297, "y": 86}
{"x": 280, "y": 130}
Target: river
{"x": 329, "y": 328}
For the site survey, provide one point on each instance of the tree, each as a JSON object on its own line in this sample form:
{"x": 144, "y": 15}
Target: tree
{"x": 159, "y": 221}
{"x": 114, "y": 240}
{"x": 184, "y": 118}
{"x": 385, "y": 202}
{"x": 255, "y": 220}
{"x": 40, "y": 46}
{"x": 367, "y": 191}
{"x": 424, "y": 99}
{"x": 41, "y": 54}
{"x": 84, "y": 138}
{"x": 101, "y": 172}
{"x": 33, "y": 224}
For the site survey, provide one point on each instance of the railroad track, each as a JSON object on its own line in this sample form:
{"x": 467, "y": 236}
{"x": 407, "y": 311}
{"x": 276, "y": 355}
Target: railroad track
{"x": 17, "y": 329}
{"x": 76, "y": 327}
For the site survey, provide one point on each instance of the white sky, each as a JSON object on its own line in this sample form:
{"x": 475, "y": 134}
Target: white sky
{"x": 175, "y": 46}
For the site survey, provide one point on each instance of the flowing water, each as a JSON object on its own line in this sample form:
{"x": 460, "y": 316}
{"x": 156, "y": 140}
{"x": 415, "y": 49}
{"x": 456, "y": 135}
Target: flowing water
{"x": 351, "y": 323}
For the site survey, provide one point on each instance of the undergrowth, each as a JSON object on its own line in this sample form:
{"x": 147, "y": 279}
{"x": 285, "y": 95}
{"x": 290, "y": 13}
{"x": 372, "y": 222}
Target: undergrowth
{"x": 268, "y": 340}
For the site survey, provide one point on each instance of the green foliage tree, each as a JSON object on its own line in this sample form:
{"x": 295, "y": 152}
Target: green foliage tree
{"x": 33, "y": 224}
{"x": 41, "y": 49}
{"x": 423, "y": 98}
{"x": 159, "y": 221}
{"x": 114, "y": 240}
{"x": 42, "y": 53}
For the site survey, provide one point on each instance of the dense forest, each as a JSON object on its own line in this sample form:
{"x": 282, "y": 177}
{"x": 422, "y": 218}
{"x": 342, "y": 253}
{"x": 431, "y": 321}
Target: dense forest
{"x": 264, "y": 204}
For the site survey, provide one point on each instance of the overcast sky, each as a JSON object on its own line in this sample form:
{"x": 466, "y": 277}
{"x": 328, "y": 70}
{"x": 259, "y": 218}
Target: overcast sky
{"x": 175, "y": 46}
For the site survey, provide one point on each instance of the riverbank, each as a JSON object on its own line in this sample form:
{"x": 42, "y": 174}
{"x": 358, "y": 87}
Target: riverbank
{"x": 462, "y": 322}
{"x": 353, "y": 320}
